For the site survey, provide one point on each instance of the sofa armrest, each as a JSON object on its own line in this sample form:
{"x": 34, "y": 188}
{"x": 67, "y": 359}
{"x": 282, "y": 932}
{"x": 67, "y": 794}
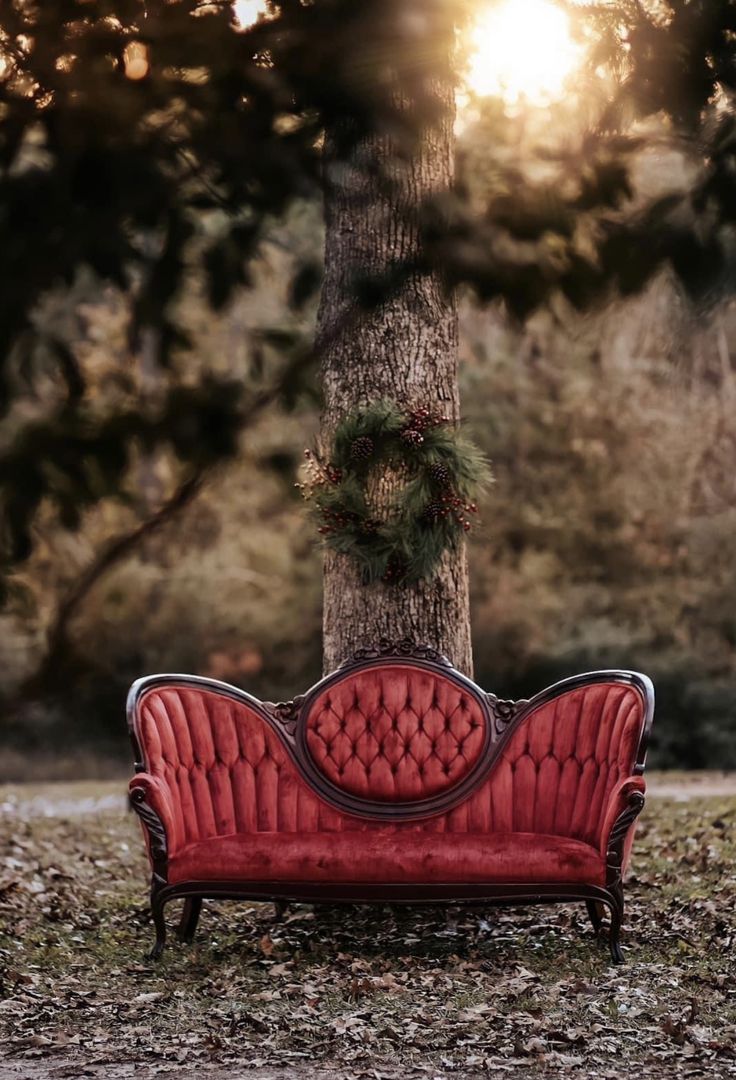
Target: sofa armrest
{"x": 156, "y": 806}
{"x": 624, "y": 805}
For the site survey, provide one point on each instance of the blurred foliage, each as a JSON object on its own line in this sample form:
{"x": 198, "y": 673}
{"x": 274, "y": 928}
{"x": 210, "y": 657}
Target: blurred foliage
{"x": 142, "y": 143}
{"x": 608, "y": 530}
{"x": 159, "y": 251}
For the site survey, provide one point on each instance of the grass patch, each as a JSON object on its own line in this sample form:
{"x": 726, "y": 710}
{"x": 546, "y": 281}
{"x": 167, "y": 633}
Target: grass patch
{"x": 458, "y": 991}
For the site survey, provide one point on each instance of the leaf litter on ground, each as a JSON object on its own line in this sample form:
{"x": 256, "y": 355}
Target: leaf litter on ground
{"x": 363, "y": 991}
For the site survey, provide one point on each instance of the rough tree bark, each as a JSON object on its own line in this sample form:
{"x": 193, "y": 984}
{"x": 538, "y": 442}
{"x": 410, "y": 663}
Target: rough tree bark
{"x": 405, "y": 351}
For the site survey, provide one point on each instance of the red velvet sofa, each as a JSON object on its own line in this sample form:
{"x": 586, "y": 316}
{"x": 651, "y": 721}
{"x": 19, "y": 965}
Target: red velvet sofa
{"x": 395, "y": 779}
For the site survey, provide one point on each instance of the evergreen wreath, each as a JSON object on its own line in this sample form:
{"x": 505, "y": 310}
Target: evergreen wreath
{"x": 445, "y": 473}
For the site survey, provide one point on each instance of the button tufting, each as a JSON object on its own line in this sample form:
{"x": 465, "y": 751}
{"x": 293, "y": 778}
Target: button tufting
{"x": 405, "y": 737}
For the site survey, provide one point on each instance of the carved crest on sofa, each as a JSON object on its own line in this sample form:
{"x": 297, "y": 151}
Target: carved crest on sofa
{"x": 385, "y": 648}
{"x": 286, "y": 713}
{"x": 504, "y": 710}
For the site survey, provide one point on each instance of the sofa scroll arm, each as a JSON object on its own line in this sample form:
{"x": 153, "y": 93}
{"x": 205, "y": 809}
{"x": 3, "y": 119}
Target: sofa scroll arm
{"x": 625, "y": 805}
{"x": 148, "y": 799}
{"x": 151, "y": 799}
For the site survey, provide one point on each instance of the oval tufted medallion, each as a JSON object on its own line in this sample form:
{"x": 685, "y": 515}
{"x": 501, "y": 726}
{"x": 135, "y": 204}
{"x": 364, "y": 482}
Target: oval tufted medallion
{"x": 395, "y": 733}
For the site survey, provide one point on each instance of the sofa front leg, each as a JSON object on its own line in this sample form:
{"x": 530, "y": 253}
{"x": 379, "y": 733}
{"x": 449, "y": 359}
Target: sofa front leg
{"x": 159, "y": 853}
{"x": 595, "y": 913}
{"x": 157, "y": 911}
{"x": 617, "y": 917}
{"x": 615, "y": 868}
{"x": 189, "y": 919}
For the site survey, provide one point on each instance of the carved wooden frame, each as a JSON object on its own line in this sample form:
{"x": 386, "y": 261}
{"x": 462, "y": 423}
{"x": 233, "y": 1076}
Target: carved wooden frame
{"x": 288, "y": 720}
{"x": 375, "y": 809}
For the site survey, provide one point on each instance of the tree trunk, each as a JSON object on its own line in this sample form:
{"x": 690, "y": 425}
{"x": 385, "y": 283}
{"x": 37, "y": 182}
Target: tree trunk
{"x": 405, "y": 351}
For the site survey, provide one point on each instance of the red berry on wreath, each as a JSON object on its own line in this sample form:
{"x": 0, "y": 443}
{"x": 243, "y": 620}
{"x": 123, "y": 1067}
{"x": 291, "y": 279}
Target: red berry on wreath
{"x": 396, "y": 569}
{"x": 412, "y": 436}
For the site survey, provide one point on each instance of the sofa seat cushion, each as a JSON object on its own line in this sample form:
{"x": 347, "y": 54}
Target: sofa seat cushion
{"x": 389, "y": 857}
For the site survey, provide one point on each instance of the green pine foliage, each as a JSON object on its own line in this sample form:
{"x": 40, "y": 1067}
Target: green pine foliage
{"x": 445, "y": 473}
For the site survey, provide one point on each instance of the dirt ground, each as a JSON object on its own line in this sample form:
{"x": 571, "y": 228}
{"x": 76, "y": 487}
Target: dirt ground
{"x": 71, "y": 1069}
{"x": 381, "y": 993}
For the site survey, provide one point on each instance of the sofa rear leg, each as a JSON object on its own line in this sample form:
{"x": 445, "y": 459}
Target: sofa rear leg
{"x": 157, "y": 910}
{"x": 595, "y": 914}
{"x": 189, "y": 919}
{"x": 280, "y": 909}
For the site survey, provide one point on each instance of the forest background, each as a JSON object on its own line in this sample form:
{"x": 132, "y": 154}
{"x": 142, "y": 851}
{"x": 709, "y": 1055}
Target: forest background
{"x": 605, "y": 540}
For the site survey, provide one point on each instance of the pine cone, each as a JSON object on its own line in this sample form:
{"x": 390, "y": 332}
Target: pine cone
{"x": 434, "y": 510}
{"x": 362, "y": 447}
{"x": 440, "y": 473}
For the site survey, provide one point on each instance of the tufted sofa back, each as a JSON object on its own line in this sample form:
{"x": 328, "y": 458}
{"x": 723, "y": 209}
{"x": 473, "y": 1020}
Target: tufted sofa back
{"x": 397, "y": 736}
{"x": 395, "y": 733}
{"x": 558, "y": 765}
{"x": 228, "y": 770}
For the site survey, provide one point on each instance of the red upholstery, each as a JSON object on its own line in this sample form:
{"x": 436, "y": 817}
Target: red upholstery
{"x": 226, "y": 770}
{"x": 383, "y": 857}
{"x": 216, "y": 770}
{"x": 395, "y": 733}
{"x": 558, "y": 770}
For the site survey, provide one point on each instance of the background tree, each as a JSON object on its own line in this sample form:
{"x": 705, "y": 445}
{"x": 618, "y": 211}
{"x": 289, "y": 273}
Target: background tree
{"x": 402, "y": 349}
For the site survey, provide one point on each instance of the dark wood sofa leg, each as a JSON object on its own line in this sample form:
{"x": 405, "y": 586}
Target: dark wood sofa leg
{"x": 189, "y": 919}
{"x": 614, "y": 869}
{"x": 280, "y": 909}
{"x": 617, "y": 915}
{"x": 157, "y": 910}
{"x": 595, "y": 914}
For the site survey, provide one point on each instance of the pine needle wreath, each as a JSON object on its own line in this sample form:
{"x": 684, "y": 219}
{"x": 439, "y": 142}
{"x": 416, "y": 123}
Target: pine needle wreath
{"x": 434, "y": 509}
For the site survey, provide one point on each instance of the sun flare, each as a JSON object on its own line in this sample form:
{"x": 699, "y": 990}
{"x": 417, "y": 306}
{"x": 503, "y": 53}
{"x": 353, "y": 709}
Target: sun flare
{"x": 247, "y": 12}
{"x": 522, "y": 50}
